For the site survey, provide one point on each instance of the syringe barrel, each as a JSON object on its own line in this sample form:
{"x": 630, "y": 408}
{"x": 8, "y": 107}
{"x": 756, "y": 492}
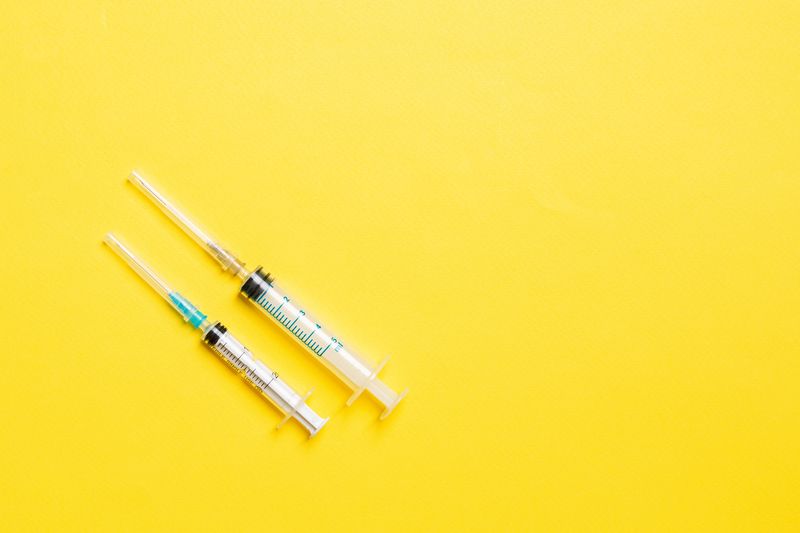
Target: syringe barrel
{"x": 257, "y": 374}
{"x": 357, "y": 373}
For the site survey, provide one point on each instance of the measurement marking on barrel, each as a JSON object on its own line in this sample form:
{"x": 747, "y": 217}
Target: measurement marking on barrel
{"x": 293, "y": 327}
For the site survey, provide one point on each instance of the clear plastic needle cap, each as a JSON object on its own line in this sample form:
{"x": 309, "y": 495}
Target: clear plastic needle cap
{"x": 228, "y": 261}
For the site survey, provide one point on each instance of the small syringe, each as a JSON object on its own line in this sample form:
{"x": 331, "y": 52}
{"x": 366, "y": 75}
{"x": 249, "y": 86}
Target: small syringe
{"x": 259, "y": 287}
{"x": 228, "y": 348}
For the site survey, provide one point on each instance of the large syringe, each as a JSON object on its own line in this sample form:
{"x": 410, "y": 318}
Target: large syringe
{"x": 219, "y": 339}
{"x": 260, "y": 288}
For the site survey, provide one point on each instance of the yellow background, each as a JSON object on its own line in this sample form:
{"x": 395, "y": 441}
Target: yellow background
{"x": 574, "y": 226}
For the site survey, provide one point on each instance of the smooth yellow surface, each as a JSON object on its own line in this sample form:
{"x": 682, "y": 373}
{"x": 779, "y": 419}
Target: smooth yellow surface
{"x": 574, "y": 226}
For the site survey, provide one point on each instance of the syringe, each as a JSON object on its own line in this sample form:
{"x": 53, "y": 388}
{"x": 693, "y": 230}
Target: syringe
{"x": 260, "y": 288}
{"x": 228, "y": 348}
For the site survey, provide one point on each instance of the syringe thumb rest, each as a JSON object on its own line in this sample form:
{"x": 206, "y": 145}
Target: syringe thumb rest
{"x": 379, "y": 390}
{"x": 307, "y": 418}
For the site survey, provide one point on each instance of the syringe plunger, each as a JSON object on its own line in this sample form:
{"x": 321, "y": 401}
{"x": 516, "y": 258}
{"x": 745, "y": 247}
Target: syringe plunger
{"x": 259, "y": 287}
{"x": 357, "y": 373}
{"x": 233, "y": 352}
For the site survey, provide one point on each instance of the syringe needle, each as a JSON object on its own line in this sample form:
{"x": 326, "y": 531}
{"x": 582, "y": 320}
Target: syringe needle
{"x": 187, "y": 310}
{"x": 228, "y": 261}
{"x": 217, "y": 337}
{"x": 169, "y": 209}
{"x": 259, "y": 287}
{"x": 138, "y": 266}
